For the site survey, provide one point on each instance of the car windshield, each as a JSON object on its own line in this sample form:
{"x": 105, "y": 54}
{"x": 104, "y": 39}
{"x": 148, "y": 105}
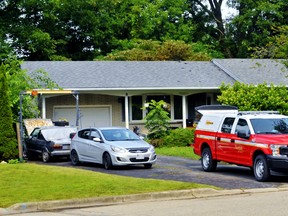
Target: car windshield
{"x": 119, "y": 135}
{"x": 57, "y": 133}
{"x": 270, "y": 126}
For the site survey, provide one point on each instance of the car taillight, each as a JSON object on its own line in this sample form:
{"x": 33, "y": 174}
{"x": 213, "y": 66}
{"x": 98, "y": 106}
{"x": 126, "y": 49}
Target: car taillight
{"x": 57, "y": 146}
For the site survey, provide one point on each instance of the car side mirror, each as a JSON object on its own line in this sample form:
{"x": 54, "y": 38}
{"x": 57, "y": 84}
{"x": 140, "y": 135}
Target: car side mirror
{"x": 97, "y": 139}
{"x": 243, "y": 134}
{"x": 71, "y": 135}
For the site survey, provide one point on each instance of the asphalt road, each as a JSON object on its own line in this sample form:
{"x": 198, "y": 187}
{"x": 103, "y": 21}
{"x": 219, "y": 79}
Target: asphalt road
{"x": 186, "y": 170}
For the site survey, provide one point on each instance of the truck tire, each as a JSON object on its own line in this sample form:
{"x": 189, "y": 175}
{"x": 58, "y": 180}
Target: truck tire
{"x": 261, "y": 169}
{"x": 208, "y": 164}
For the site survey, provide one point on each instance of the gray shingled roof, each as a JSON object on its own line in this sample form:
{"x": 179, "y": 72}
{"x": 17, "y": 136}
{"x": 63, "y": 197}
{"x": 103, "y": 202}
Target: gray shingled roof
{"x": 255, "y": 71}
{"x": 81, "y": 75}
{"x": 131, "y": 74}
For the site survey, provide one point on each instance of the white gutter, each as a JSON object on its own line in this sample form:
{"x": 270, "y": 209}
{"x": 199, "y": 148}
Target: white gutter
{"x": 145, "y": 88}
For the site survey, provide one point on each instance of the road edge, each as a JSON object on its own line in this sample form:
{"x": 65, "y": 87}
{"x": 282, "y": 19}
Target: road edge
{"x": 113, "y": 200}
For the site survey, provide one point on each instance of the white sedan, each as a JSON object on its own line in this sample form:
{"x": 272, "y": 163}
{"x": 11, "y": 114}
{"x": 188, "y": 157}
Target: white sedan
{"x": 111, "y": 146}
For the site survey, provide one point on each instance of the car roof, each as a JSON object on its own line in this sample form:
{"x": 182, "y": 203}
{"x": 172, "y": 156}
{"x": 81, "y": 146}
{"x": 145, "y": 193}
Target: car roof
{"x": 105, "y": 128}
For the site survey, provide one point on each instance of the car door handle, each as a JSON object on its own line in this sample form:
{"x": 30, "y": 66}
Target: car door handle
{"x": 232, "y": 141}
{"x": 218, "y": 138}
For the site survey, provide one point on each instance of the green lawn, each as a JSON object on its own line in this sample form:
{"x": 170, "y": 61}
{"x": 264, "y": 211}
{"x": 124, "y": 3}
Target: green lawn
{"x": 185, "y": 152}
{"x": 31, "y": 182}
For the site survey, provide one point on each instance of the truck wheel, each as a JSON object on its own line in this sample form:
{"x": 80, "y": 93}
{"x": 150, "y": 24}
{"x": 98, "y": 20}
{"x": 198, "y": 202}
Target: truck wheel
{"x": 208, "y": 164}
{"x": 261, "y": 169}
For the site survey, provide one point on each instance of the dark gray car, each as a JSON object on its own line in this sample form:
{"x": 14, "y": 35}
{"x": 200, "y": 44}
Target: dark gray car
{"x": 49, "y": 141}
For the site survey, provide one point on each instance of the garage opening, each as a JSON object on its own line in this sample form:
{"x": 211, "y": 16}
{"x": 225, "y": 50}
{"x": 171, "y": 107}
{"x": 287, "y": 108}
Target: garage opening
{"x": 88, "y": 116}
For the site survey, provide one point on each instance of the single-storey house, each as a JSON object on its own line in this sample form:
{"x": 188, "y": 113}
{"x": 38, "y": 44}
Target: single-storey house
{"x": 113, "y": 93}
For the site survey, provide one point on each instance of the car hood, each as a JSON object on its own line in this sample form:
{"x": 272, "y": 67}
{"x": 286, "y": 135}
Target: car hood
{"x": 129, "y": 144}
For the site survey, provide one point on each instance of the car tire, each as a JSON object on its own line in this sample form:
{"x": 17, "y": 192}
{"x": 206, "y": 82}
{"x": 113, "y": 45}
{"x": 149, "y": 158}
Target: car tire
{"x": 25, "y": 155}
{"x": 147, "y": 166}
{"x": 107, "y": 162}
{"x": 74, "y": 158}
{"x": 207, "y": 162}
{"x": 261, "y": 169}
{"x": 45, "y": 156}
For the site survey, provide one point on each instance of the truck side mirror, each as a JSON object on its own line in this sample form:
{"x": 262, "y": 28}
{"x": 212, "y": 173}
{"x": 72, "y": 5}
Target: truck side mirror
{"x": 243, "y": 134}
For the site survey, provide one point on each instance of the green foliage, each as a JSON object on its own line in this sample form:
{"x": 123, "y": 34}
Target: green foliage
{"x": 13, "y": 161}
{"x": 8, "y": 142}
{"x": 157, "y": 119}
{"x": 255, "y": 24}
{"x": 277, "y": 46}
{"x": 18, "y": 81}
{"x": 148, "y": 50}
{"x": 179, "y": 137}
{"x": 257, "y": 98}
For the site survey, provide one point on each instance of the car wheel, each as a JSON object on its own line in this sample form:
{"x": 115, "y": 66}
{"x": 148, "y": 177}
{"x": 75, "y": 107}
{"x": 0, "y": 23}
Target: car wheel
{"x": 148, "y": 166}
{"x": 107, "y": 162}
{"x": 25, "y": 155}
{"x": 45, "y": 156}
{"x": 208, "y": 164}
{"x": 74, "y": 158}
{"x": 261, "y": 169}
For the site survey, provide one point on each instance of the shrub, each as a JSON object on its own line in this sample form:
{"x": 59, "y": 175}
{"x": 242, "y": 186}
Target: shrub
{"x": 13, "y": 161}
{"x": 157, "y": 119}
{"x": 179, "y": 137}
{"x": 156, "y": 142}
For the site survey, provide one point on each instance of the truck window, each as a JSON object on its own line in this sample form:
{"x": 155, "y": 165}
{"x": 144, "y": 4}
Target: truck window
{"x": 227, "y": 125}
{"x": 242, "y": 126}
{"x": 270, "y": 126}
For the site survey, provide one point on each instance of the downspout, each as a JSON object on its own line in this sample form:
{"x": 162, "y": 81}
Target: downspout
{"x": 184, "y": 111}
{"x": 43, "y": 107}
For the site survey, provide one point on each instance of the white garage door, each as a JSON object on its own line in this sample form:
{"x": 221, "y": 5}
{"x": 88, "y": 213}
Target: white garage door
{"x": 89, "y": 116}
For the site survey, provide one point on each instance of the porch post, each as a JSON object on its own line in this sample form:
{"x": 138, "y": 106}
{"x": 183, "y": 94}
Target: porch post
{"x": 184, "y": 111}
{"x": 126, "y": 111}
{"x": 43, "y": 107}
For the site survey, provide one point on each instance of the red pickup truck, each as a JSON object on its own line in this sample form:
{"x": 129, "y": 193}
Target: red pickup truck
{"x": 258, "y": 140}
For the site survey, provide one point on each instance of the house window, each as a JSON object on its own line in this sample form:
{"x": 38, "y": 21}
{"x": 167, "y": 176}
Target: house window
{"x": 136, "y": 102}
{"x": 157, "y": 98}
{"x": 178, "y": 107}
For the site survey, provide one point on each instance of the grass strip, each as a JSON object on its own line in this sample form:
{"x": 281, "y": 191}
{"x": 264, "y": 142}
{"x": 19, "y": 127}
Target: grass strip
{"x": 20, "y": 183}
{"x": 185, "y": 152}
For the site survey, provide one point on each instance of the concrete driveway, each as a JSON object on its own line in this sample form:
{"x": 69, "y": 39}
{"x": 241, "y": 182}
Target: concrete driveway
{"x": 187, "y": 170}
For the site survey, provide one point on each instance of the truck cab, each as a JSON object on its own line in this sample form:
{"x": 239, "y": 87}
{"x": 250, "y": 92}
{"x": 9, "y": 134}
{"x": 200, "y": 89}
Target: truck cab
{"x": 256, "y": 139}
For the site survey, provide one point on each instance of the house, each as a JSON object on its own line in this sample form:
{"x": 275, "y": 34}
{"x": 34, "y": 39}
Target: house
{"x": 113, "y": 93}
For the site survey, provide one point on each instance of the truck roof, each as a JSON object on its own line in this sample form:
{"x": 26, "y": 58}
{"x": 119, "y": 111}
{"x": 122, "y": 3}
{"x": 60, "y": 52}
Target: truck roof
{"x": 216, "y": 109}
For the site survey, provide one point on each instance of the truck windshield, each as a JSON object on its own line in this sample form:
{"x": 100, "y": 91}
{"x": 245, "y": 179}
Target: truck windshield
{"x": 270, "y": 126}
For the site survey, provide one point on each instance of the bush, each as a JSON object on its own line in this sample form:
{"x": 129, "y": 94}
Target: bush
{"x": 156, "y": 142}
{"x": 179, "y": 137}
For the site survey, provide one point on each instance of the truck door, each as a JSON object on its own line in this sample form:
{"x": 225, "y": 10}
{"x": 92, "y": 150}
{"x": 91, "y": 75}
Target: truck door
{"x": 242, "y": 145}
{"x": 224, "y": 146}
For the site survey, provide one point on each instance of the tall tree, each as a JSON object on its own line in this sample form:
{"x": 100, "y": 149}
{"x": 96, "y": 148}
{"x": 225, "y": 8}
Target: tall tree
{"x": 209, "y": 18}
{"x": 8, "y": 142}
{"x": 255, "y": 23}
